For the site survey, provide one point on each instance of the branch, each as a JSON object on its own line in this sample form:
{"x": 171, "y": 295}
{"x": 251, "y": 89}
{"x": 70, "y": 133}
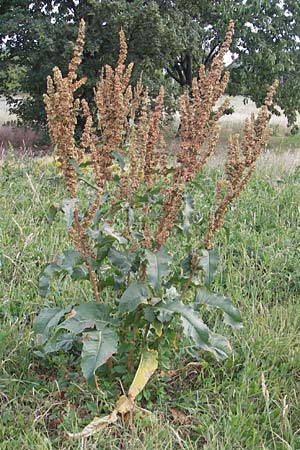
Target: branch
{"x": 210, "y": 54}
{"x": 172, "y": 75}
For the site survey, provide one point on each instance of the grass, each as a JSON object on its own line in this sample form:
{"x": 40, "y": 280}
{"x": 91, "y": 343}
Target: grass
{"x": 249, "y": 402}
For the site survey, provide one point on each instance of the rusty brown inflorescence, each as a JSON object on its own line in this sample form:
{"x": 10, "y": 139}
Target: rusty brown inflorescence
{"x": 242, "y": 156}
{"x": 125, "y": 123}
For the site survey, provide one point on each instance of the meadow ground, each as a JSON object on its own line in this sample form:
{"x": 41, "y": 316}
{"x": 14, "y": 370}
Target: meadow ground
{"x": 249, "y": 402}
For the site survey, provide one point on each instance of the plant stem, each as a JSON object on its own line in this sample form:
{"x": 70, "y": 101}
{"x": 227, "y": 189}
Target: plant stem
{"x": 194, "y": 265}
{"x": 146, "y": 332}
{"x": 130, "y": 361}
{"x": 93, "y": 280}
{"x": 83, "y": 249}
{"x": 109, "y": 367}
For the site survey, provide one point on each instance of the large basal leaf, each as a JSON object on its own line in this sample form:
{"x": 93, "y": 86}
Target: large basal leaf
{"x": 87, "y": 315}
{"x": 125, "y": 404}
{"x": 98, "y": 347}
{"x": 193, "y": 326}
{"x": 80, "y": 272}
{"x": 231, "y": 315}
{"x": 219, "y": 346}
{"x": 158, "y": 266}
{"x": 136, "y": 294}
{"x": 60, "y": 342}
{"x": 209, "y": 263}
{"x": 195, "y": 329}
{"x": 46, "y": 320}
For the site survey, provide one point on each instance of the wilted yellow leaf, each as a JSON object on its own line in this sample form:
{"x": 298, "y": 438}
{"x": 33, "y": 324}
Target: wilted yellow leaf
{"x": 148, "y": 365}
{"x": 125, "y": 404}
{"x": 97, "y": 424}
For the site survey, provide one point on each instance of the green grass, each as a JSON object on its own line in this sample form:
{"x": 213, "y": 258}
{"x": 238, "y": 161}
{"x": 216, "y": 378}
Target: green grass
{"x": 225, "y": 406}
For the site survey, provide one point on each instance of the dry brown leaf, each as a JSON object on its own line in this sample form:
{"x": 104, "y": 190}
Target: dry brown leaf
{"x": 179, "y": 416}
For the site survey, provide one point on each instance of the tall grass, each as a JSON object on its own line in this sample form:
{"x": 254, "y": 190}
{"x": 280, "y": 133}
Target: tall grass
{"x": 250, "y": 402}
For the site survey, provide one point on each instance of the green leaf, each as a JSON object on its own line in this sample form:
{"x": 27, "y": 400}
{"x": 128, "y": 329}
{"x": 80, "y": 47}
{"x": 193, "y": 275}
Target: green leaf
{"x": 98, "y": 347}
{"x": 53, "y": 210}
{"x": 87, "y": 315}
{"x": 157, "y": 267}
{"x": 46, "y": 276}
{"x": 193, "y": 326}
{"x": 219, "y": 346}
{"x": 187, "y": 211}
{"x": 75, "y": 165}
{"x": 231, "y": 316}
{"x": 209, "y": 263}
{"x": 80, "y": 272}
{"x": 118, "y": 157}
{"x": 109, "y": 231}
{"x": 121, "y": 260}
{"x": 61, "y": 342}
{"x": 46, "y": 320}
{"x": 68, "y": 207}
{"x": 64, "y": 263}
{"x": 103, "y": 246}
{"x": 68, "y": 260}
{"x": 136, "y": 294}
{"x": 195, "y": 329}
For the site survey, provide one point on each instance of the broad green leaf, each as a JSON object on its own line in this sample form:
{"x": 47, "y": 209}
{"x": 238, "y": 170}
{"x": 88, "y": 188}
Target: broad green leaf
{"x": 209, "y": 263}
{"x": 136, "y": 294}
{"x": 46, "y": 320}
{"x": 148, "y": 365}
{"x": 232, "y": 316}
{"x": 68, "y": 206}
{"x": 64, "y": 263}
{"x": 46, "y": 276}
{"x": 109, "y": 231}
{"x": 219, "y": 346}
{"x": 103, "y": 246}
{"x": 121, "y": 260}
{"x": 87, "y": 315}
{"x": 69, "y": 260}
{"x": 98, "y": 347}
{"x": 193, "y": 326}
{"x": 59, "y": 342}
{"x": 80, "y": 272}
{"x": 149, "y": 314}
{"x": 158, "y": 266}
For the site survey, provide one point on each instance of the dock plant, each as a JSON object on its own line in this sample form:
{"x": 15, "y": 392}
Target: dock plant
{"x": 128, "y": 199}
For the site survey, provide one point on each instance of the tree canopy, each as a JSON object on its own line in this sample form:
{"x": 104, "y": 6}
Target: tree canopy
{"x": 167, "y": 39}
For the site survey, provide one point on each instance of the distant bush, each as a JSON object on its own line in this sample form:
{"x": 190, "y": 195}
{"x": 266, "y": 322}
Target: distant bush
{"x": 24, "y": 140}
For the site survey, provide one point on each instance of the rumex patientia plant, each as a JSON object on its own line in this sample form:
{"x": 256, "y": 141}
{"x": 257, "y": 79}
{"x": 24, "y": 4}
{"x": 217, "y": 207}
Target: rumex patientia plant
{"x": 121, "y": 212}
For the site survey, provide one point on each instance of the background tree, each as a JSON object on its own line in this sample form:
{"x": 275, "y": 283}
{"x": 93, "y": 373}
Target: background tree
{"x": 167, "y": 40}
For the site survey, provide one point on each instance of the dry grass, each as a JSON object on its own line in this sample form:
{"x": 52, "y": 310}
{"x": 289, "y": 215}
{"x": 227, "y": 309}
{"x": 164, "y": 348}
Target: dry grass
{"x": 4, "y": 113}
{"x": 243, "y": 110}
{"x": 23, "y": 140}
{"x": 17, "y": 137}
